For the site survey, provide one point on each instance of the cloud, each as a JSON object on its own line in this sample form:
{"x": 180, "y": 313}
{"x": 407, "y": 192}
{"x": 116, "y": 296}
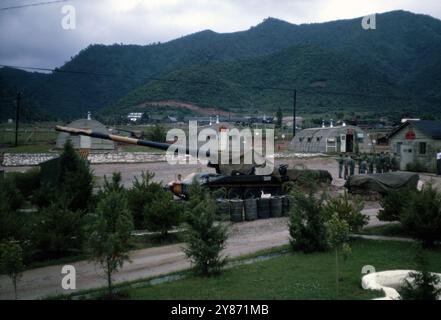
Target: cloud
{"x": 33, "y": 36}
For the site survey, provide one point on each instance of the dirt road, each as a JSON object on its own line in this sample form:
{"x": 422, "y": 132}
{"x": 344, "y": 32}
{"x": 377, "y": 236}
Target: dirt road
{"x": 244, "y": 238}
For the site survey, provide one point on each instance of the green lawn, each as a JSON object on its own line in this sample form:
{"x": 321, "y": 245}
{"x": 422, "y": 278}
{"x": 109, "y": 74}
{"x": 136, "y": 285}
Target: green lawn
{"x": 294, "y": 276}
{"x": 390, "y": 230}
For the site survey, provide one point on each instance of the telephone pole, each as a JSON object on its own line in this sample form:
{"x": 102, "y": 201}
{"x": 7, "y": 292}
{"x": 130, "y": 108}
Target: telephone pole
{"x": 294, "y": 113}
{"x": 17, "y": 117}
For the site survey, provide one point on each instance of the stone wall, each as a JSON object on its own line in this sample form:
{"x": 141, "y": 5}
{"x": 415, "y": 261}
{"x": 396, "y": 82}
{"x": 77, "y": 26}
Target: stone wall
{"x": 34, "y": 159}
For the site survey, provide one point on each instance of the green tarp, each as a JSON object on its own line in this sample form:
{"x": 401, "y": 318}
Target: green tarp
{"x": 383, "y": 182}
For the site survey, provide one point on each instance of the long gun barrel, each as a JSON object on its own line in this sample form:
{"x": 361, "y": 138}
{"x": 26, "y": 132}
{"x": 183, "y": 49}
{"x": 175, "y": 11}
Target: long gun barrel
{"x": 106, "y": 136}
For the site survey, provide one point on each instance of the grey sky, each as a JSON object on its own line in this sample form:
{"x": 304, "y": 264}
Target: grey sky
{"x": 34, "y": 37}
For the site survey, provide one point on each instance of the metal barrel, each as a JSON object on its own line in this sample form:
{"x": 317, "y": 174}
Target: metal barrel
{"x": 276, "y": 207}
{"x": 236, "y": 210}
{"x": 223, "y": 209}
{"x": 250, "y": 206}
{"x": 264, "y": 208}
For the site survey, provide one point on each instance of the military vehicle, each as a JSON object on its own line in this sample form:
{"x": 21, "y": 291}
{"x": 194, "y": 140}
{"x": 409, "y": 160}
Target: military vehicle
{"x": 233, "y": 180}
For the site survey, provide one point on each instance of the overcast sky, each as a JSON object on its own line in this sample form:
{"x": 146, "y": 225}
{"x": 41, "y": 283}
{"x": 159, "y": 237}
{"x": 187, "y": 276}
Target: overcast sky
{"x": 33, "y": 36}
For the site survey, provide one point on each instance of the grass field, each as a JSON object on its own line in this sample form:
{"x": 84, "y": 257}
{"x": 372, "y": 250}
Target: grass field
{"x": 294, "y": 276}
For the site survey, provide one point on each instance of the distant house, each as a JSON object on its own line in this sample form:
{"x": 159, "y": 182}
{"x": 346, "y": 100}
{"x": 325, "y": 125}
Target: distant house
{"x": 136, "y": 116}
{"x": 339, "y": 139}
{"x": 417, "y": 142}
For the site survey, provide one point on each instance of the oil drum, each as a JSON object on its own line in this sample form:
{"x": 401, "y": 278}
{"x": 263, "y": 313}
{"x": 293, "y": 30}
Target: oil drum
{"x": 236, "y": 210}
{"x": 250, "y": 206}
{"x": 276, "y": 207}
{"x": 264, "y": 208}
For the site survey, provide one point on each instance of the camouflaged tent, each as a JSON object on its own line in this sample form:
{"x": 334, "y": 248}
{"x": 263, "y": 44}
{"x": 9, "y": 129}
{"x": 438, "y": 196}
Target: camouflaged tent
{"x": 382, "y": 182}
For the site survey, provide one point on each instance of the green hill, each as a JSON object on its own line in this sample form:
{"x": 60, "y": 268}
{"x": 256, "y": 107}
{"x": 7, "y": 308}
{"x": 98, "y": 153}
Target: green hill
{"x": 399, "y": 57}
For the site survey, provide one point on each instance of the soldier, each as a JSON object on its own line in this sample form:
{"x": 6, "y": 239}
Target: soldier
{"x": 387, "y": 163}
{"x": 352, "y": 166}
{"x": 346, "y": 166}
{"x": 340, "y": 161}
{"x": 378, "y": 168}
{"x": 359, "y": 160}
{"x": 371, "y": 163}
{"x": 363, "y": 166}
{"x": 394, "y": 163}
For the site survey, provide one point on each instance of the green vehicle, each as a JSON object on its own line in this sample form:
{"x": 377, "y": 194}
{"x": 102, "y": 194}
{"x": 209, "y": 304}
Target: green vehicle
{"x": 235, "y": 180}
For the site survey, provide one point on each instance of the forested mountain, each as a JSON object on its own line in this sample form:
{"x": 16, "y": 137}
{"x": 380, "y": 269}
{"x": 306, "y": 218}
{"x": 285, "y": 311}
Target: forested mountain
{"x": 400, "y": 57}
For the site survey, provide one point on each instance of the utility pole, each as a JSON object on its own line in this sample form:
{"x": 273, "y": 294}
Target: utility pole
{"x": 294, "y": 113}
{"x": 17, "y": 117}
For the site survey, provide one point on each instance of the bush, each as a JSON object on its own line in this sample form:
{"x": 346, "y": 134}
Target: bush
{"x": 10, "y": 201}
{"x": 56, "y": 231}
{"x": 205, "y": 238}
{"x": 422, "y": 217}
{"x": 307, "y": 224}
{"x": 347, "y": 211}
{"x": 422, "y": 284}
{"x": 416, "y": 167}
{"x": 142, "y": 193}
{"x": 75, "y": 181}
{"x": 26, "y": 182}
{"x": 157, "y": 133}
{"x": 393, "y": 204}
{"x": 108, "y": 233}
{"x": 162, "y": 214}
{"x": 11, "y": 262}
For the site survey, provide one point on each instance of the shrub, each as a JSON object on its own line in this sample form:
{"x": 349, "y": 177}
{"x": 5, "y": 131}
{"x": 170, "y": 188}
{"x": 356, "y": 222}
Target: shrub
{"x": 393, "y": 204}
{"x": 157, "y": 133}
{"x": 56, "y": 231}
{"x": 205, "y": 239}
{"x": 11, "y": 262}
{"x": 75, "y": 181}
{"x": 422, "y": 217}
{"x": 416, "y": 167}
{"x": 307, "y": 224}
{"x": 347, "y": 211}
{"x": 142, "y": 193}
{"x": 162, "y": 214}
{"x": 422, "y": 284}
{"x": 109, "y": 232}
{"x": 26, "y": 182}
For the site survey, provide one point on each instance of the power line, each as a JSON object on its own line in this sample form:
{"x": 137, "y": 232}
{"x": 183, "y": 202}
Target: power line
{"x": 35, "y": 4}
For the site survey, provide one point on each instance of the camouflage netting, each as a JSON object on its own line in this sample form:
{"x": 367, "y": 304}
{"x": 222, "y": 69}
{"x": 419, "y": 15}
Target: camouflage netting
{"x": 382, "y": 183}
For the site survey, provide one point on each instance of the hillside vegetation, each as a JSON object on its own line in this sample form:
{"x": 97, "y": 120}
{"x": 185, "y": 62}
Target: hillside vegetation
{"x": 401, "y": 57}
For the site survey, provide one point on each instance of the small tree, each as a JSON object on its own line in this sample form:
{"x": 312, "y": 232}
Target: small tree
{"x": 157, "y": 133}
{"x": 11, "y": 262}
{"x": 338, "y": 231}
{"x": 422, "y": 217}
{"x": 307, "y": 224}
{"x": 393, "y": 204}
{"x": 75, "y": 182}
{"x": 109, "y": 233}
{"x": 347, "y": 211}
{"x": 422, "y": 284}
{"x": 205, "y": 239}
{"x": 142, "y": 193}
{"x": 56, "y": 230}
{"x": 162, "y": 214}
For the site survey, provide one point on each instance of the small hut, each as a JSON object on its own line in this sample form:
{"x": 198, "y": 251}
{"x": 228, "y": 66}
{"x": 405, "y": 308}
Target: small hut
{"x": 83, "y": 142}
{"x": 339, "y": 139}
